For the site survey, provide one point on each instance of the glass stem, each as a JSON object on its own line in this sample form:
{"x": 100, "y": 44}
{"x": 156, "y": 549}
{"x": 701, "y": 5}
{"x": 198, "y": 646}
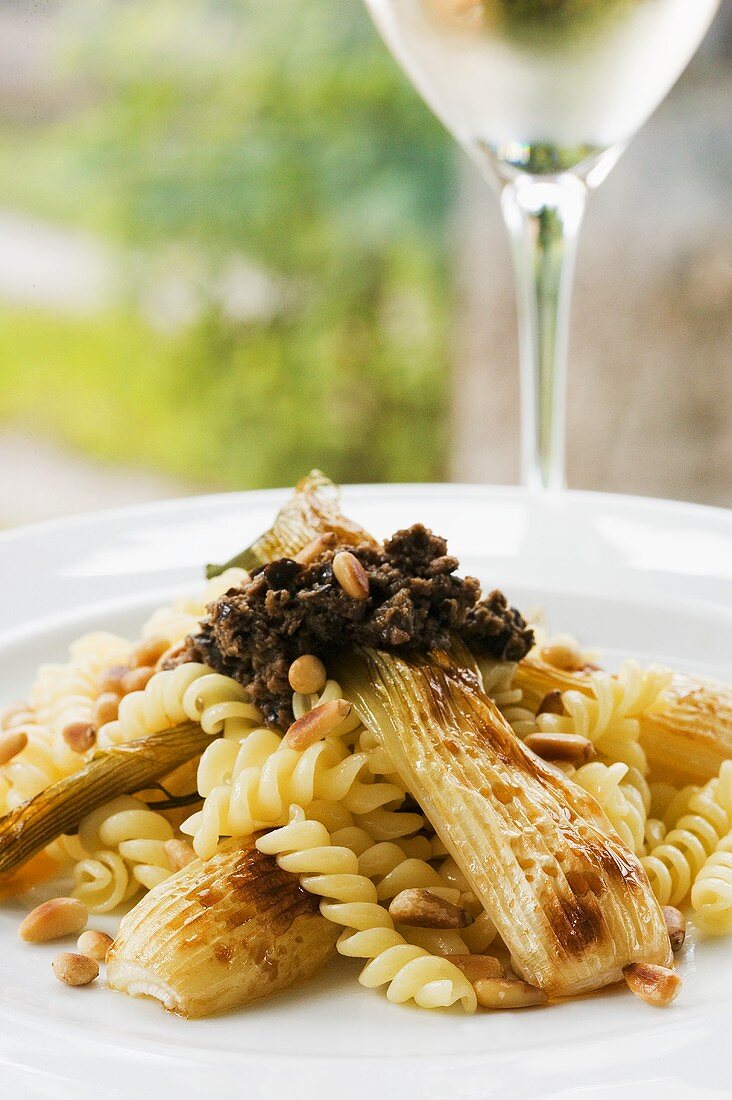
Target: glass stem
{"x": 543, "y": 218}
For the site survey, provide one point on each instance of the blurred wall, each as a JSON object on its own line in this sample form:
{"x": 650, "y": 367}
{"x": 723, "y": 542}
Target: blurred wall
{"x": 650, "y": 387}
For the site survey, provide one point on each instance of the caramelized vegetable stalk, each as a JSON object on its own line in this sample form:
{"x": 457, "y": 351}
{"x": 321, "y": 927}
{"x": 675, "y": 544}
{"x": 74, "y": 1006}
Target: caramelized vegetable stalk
{"x": 220, "y": 934}
{"x": 313, "y": 509}
{"x": 572, "y": 903}
{"x": 123, "y": 769}
{"x": 686, "y": 735}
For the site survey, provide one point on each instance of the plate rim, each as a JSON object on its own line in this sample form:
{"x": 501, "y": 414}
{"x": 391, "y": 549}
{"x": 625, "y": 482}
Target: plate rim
{"x": 166, "y": 505}
{"x": 318, "y": 1077}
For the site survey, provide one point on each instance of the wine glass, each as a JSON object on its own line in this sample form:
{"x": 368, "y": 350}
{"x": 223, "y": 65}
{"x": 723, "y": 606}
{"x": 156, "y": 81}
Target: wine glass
{"x": 544, "y": 95}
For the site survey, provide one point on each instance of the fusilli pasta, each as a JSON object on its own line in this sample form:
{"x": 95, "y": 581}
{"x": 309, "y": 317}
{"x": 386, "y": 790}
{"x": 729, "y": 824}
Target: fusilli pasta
{"x": 190, "y": 692}
{"x": 61, "y": 694}
{"x": 350, "y": 899}
{"x": 609, "y": 717}
{"x": 184, "y": 615}
{"x": 673, "y": 865}
{"x": 251, "y": 783}
{"x": 498, "y": 683}
{"x": 124, "y": 851}
{"x": 623, "y": 802}
{"x": 711, "y": 894}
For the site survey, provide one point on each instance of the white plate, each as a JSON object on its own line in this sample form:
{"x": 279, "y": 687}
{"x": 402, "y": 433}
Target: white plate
{"x": 648, "y": 578}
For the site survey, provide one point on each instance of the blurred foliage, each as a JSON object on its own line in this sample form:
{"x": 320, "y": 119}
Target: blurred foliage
{"x": 281, "y": 132}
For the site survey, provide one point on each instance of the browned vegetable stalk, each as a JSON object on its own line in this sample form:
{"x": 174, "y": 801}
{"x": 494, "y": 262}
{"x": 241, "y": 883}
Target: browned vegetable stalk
{"x": 123, "y": 769}
{"x": 570, "y": 901}
{"x": 313, "y": 509}
{"x": 220, "y": 934}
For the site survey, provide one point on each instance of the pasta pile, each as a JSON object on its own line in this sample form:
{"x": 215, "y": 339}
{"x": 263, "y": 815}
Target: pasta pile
{"x": 336, "y": 814}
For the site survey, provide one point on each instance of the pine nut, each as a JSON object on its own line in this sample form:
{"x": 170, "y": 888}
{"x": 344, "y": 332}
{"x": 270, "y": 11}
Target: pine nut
{"x": 316, "y": 724}
{"x": 179, "y": 854}
{"x": 148, "y": 651}
{"x": 79, "y": 736}
{"x": 656, "y": 985}
{"x": 675, "y": 926}
{"x": 95, "y": 944}
{"x": 53, "y": 919}
{"x": 11, "y": 744}
{"x": 551, "y": 704}
{"x": 570, "y": 748}
{"x": 307, "y": 675}
{"x": 315, "y": 548}
{"x": 111, "y": 679}
{"x": 424, "y": 909}
{"x": 507, "y": 993}
{"x": 106, "y": 709}
{"x": 351, "y": 575}
{"x": 563, "y": 653}
{"x": 136, "y": 679}
{"x": 73, "y": 969}
{"x": 478, "y": 967}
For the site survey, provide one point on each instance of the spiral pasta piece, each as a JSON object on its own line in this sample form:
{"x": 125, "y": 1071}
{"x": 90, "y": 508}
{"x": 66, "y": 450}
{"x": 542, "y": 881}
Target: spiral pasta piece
{"x": 184, "y": 615}
{"x": 609, "y": 717}
{"x": 623, "y": 802}
{"x": 65, "y": 693}
{"x": 190, "y": 692}
{"x": 350, "y": 899}
{"x": 498, "y": 684}
{"x": 250, "y": 785}
{"x": 124, "y": 846}
{"x": 61, "y": 694}
{"x": 673, "y": 865}
{"x": 482, "y": 932}
{"x": 711, "y": 894}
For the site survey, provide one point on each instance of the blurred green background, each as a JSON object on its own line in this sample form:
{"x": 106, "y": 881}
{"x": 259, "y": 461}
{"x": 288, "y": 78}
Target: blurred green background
{"x": 275, "y": 197}
{"x": 232, "y": 240}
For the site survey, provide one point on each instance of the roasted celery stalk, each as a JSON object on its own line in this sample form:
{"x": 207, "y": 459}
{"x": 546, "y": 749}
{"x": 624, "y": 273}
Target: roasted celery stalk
{"x": 123, "y": 769}
{"x": 571, "y": 902}
{"x": 312, "y": 510}
{"x": 686, "y": 736}
{"x": 220, "y": 934}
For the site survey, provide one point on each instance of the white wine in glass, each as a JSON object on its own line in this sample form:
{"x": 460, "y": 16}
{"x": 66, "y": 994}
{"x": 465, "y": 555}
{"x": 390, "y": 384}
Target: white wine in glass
{"x": 544, "y": 95}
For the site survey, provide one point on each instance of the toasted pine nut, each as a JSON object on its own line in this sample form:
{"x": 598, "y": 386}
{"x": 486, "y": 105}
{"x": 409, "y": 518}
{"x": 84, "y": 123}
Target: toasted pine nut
{"x": 657, "y": 985}
{"x": 351, "y": 575}
{"x": 79, "y": 736}
{"x": 315, "y": 548}
{"x": 675, "y": 926}
{"x": 551, "y": 703}
{"x": 316, "y": 724}
{"x": 179, "y": 853}
{"x": 111, "y": 679}
{"x": 148, "y": 651}
{"x": 136, "y": 679}
{"x": 105, "y": 708}
{"x": 423, "y": 909}
{"x": 53, "y": 919}
{"x": 478, "y": 967}
{"x": 73, "y": 969}
{"x": 95, "y": 944}
{"x": 563, "y": 653}
{"x": 507, "y": 993}
{"x": 11, "y": 744}
{"x": 568, "y": 747}
{"x": 307, "y": 674}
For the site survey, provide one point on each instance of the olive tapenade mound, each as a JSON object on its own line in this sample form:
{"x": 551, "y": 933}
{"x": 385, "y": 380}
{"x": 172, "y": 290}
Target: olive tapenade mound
{"x": 414, "y": 601}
